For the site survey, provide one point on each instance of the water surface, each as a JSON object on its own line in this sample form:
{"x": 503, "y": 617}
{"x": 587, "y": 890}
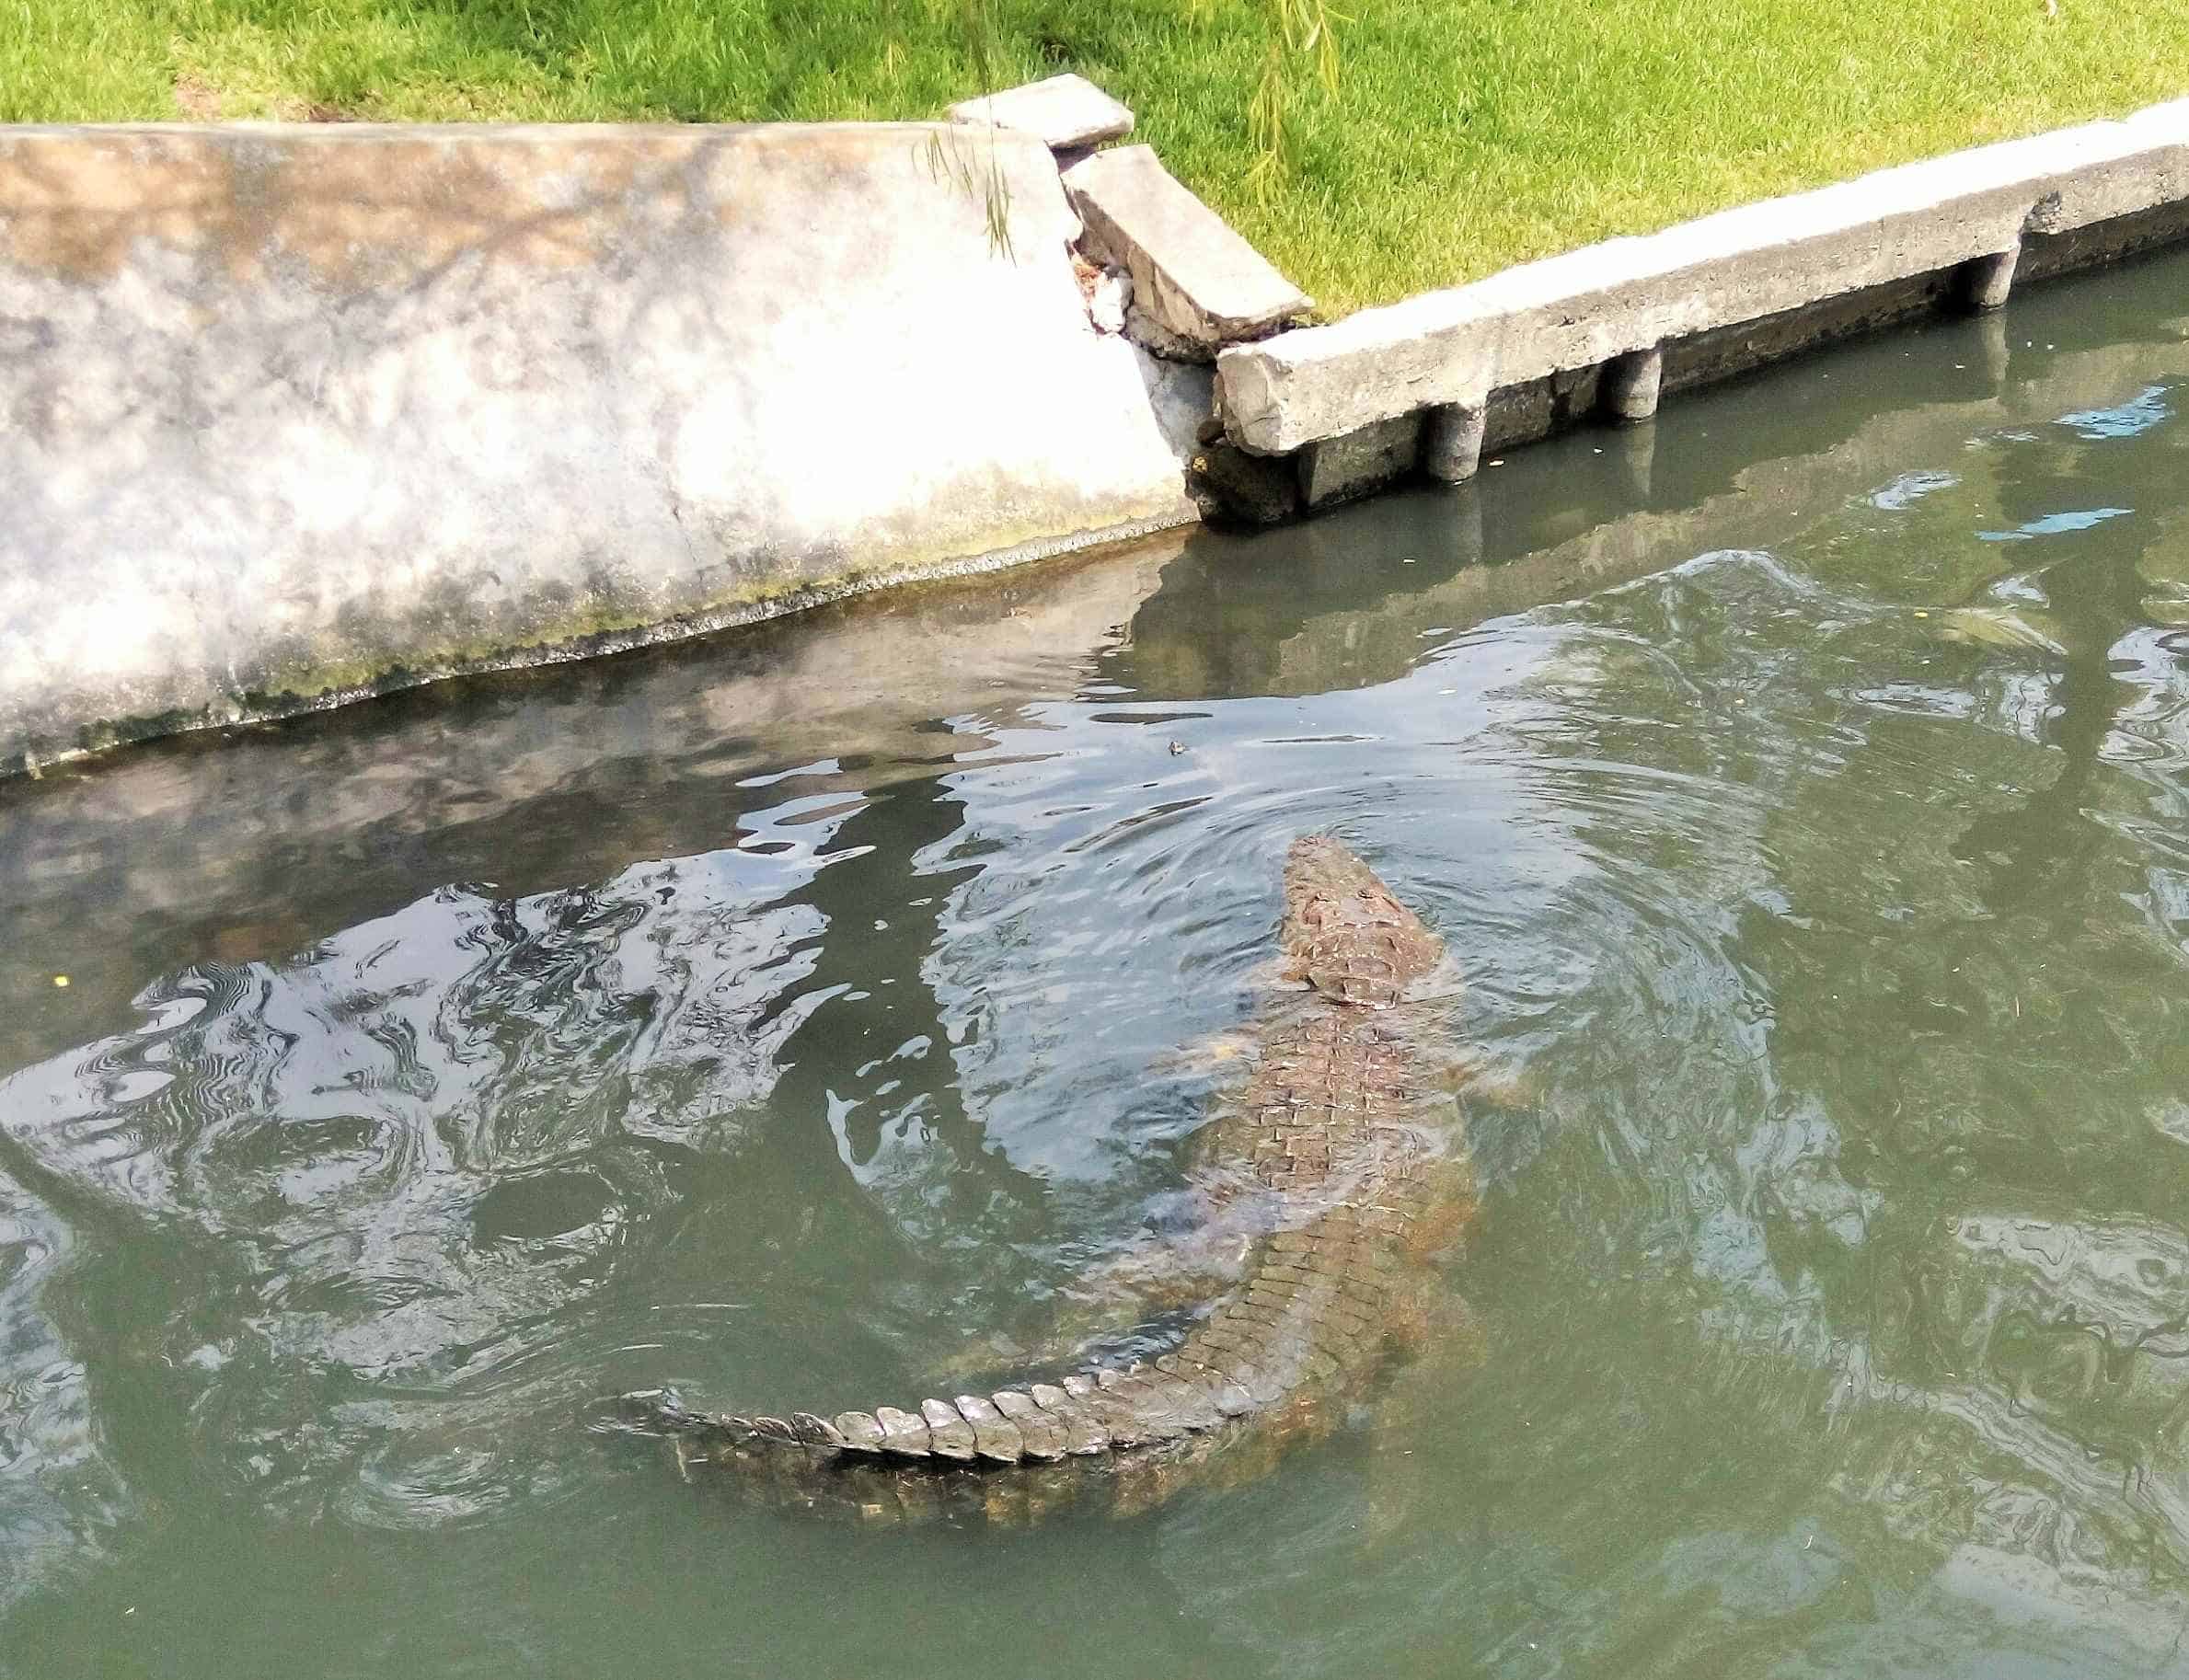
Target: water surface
{"x": 1802, "y": 783}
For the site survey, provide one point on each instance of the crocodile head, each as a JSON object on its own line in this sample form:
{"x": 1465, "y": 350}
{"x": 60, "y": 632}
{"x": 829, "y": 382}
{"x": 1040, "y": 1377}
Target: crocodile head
{"x": 1346, "y": 933}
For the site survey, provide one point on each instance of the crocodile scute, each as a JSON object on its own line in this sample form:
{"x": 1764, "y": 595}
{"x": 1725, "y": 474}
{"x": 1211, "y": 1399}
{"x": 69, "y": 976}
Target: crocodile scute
{"x": 1338, "y": 1128}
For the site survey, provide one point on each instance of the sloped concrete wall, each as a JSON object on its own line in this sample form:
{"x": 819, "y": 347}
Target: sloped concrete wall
{"x": 293, "y": 414}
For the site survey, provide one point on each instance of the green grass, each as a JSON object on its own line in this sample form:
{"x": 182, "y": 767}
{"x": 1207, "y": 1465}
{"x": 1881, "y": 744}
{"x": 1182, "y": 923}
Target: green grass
{"x": 1465, "y": 134}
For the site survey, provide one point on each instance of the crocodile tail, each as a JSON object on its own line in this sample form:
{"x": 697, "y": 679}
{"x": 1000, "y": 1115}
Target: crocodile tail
{"x": 1086, "y": 1414}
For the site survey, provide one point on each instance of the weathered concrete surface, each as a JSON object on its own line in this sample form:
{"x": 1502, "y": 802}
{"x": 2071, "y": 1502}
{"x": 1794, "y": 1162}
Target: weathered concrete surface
{"x": 1196, "y": 283}
{"x": 1067, "y": 113}
{"x": 1989, "y": 280}
{"x": 1345, "y": 468}
{"x": 293, "y": 414}
{"x": 1452, "y": 442}
{"x": 1582, "y": 309}
{"x": 1631, "y": 382}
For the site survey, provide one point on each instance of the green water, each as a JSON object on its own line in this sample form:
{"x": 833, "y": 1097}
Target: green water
{"x": 1802, "y": 786}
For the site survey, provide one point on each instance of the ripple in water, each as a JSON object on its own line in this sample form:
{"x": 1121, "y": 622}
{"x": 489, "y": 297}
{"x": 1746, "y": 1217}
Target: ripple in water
{"x": 408, "y": 1161}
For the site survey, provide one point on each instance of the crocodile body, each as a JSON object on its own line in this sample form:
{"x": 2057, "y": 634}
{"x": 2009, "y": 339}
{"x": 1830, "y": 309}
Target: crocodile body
{"x": 1344, "y": 1159}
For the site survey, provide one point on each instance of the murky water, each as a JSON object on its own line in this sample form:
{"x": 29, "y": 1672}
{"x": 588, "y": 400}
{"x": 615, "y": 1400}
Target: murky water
{"x": 1804, "y": 790}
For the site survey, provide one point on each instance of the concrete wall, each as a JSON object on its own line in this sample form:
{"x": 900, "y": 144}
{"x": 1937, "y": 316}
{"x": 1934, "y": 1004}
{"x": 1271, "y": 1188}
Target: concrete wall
{"x": 1604, "y": 329}
{"x": 292, "y": 414}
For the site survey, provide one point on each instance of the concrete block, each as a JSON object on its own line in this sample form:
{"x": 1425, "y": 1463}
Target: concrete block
{"x": 1986, "y": 280}
{"x": 1341, "y": 468}
{"x": 1452, "y": 442}
{"x": 1629, "y": 385}
{"x": 1067, "y": 113}
{"x": 1193, "y": 277}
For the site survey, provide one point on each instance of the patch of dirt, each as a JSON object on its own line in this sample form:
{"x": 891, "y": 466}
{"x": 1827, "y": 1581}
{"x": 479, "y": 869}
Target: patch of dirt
{"x": 197, "y": 102}
{"x": 200, "y": 101}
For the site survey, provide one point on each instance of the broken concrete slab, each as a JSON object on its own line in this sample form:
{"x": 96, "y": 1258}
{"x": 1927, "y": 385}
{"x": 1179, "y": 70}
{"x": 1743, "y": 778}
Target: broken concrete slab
{"x": 1067, "y": 113}
{"x": 1604, "y": 300}
{"x": 1196, "y": 283}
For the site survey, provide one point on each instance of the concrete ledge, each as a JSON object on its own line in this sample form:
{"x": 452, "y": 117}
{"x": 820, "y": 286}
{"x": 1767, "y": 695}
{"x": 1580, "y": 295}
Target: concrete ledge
{"x": 290, "y": 415}
{"x": 1067, "y": 113}
{"x": 1578, "y": 311}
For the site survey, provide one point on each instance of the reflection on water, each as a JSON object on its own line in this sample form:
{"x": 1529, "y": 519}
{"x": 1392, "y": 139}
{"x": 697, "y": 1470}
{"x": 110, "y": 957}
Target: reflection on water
{"x": 413, "y": 1154}
{"x": 1800, "y": 785}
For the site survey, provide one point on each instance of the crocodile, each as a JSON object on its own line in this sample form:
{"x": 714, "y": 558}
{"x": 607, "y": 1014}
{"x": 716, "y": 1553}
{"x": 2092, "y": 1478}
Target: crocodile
{"x": 1341, "y": 1153}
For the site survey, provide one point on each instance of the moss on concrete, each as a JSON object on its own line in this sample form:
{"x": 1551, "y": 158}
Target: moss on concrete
{"x": 303, "y": 685}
